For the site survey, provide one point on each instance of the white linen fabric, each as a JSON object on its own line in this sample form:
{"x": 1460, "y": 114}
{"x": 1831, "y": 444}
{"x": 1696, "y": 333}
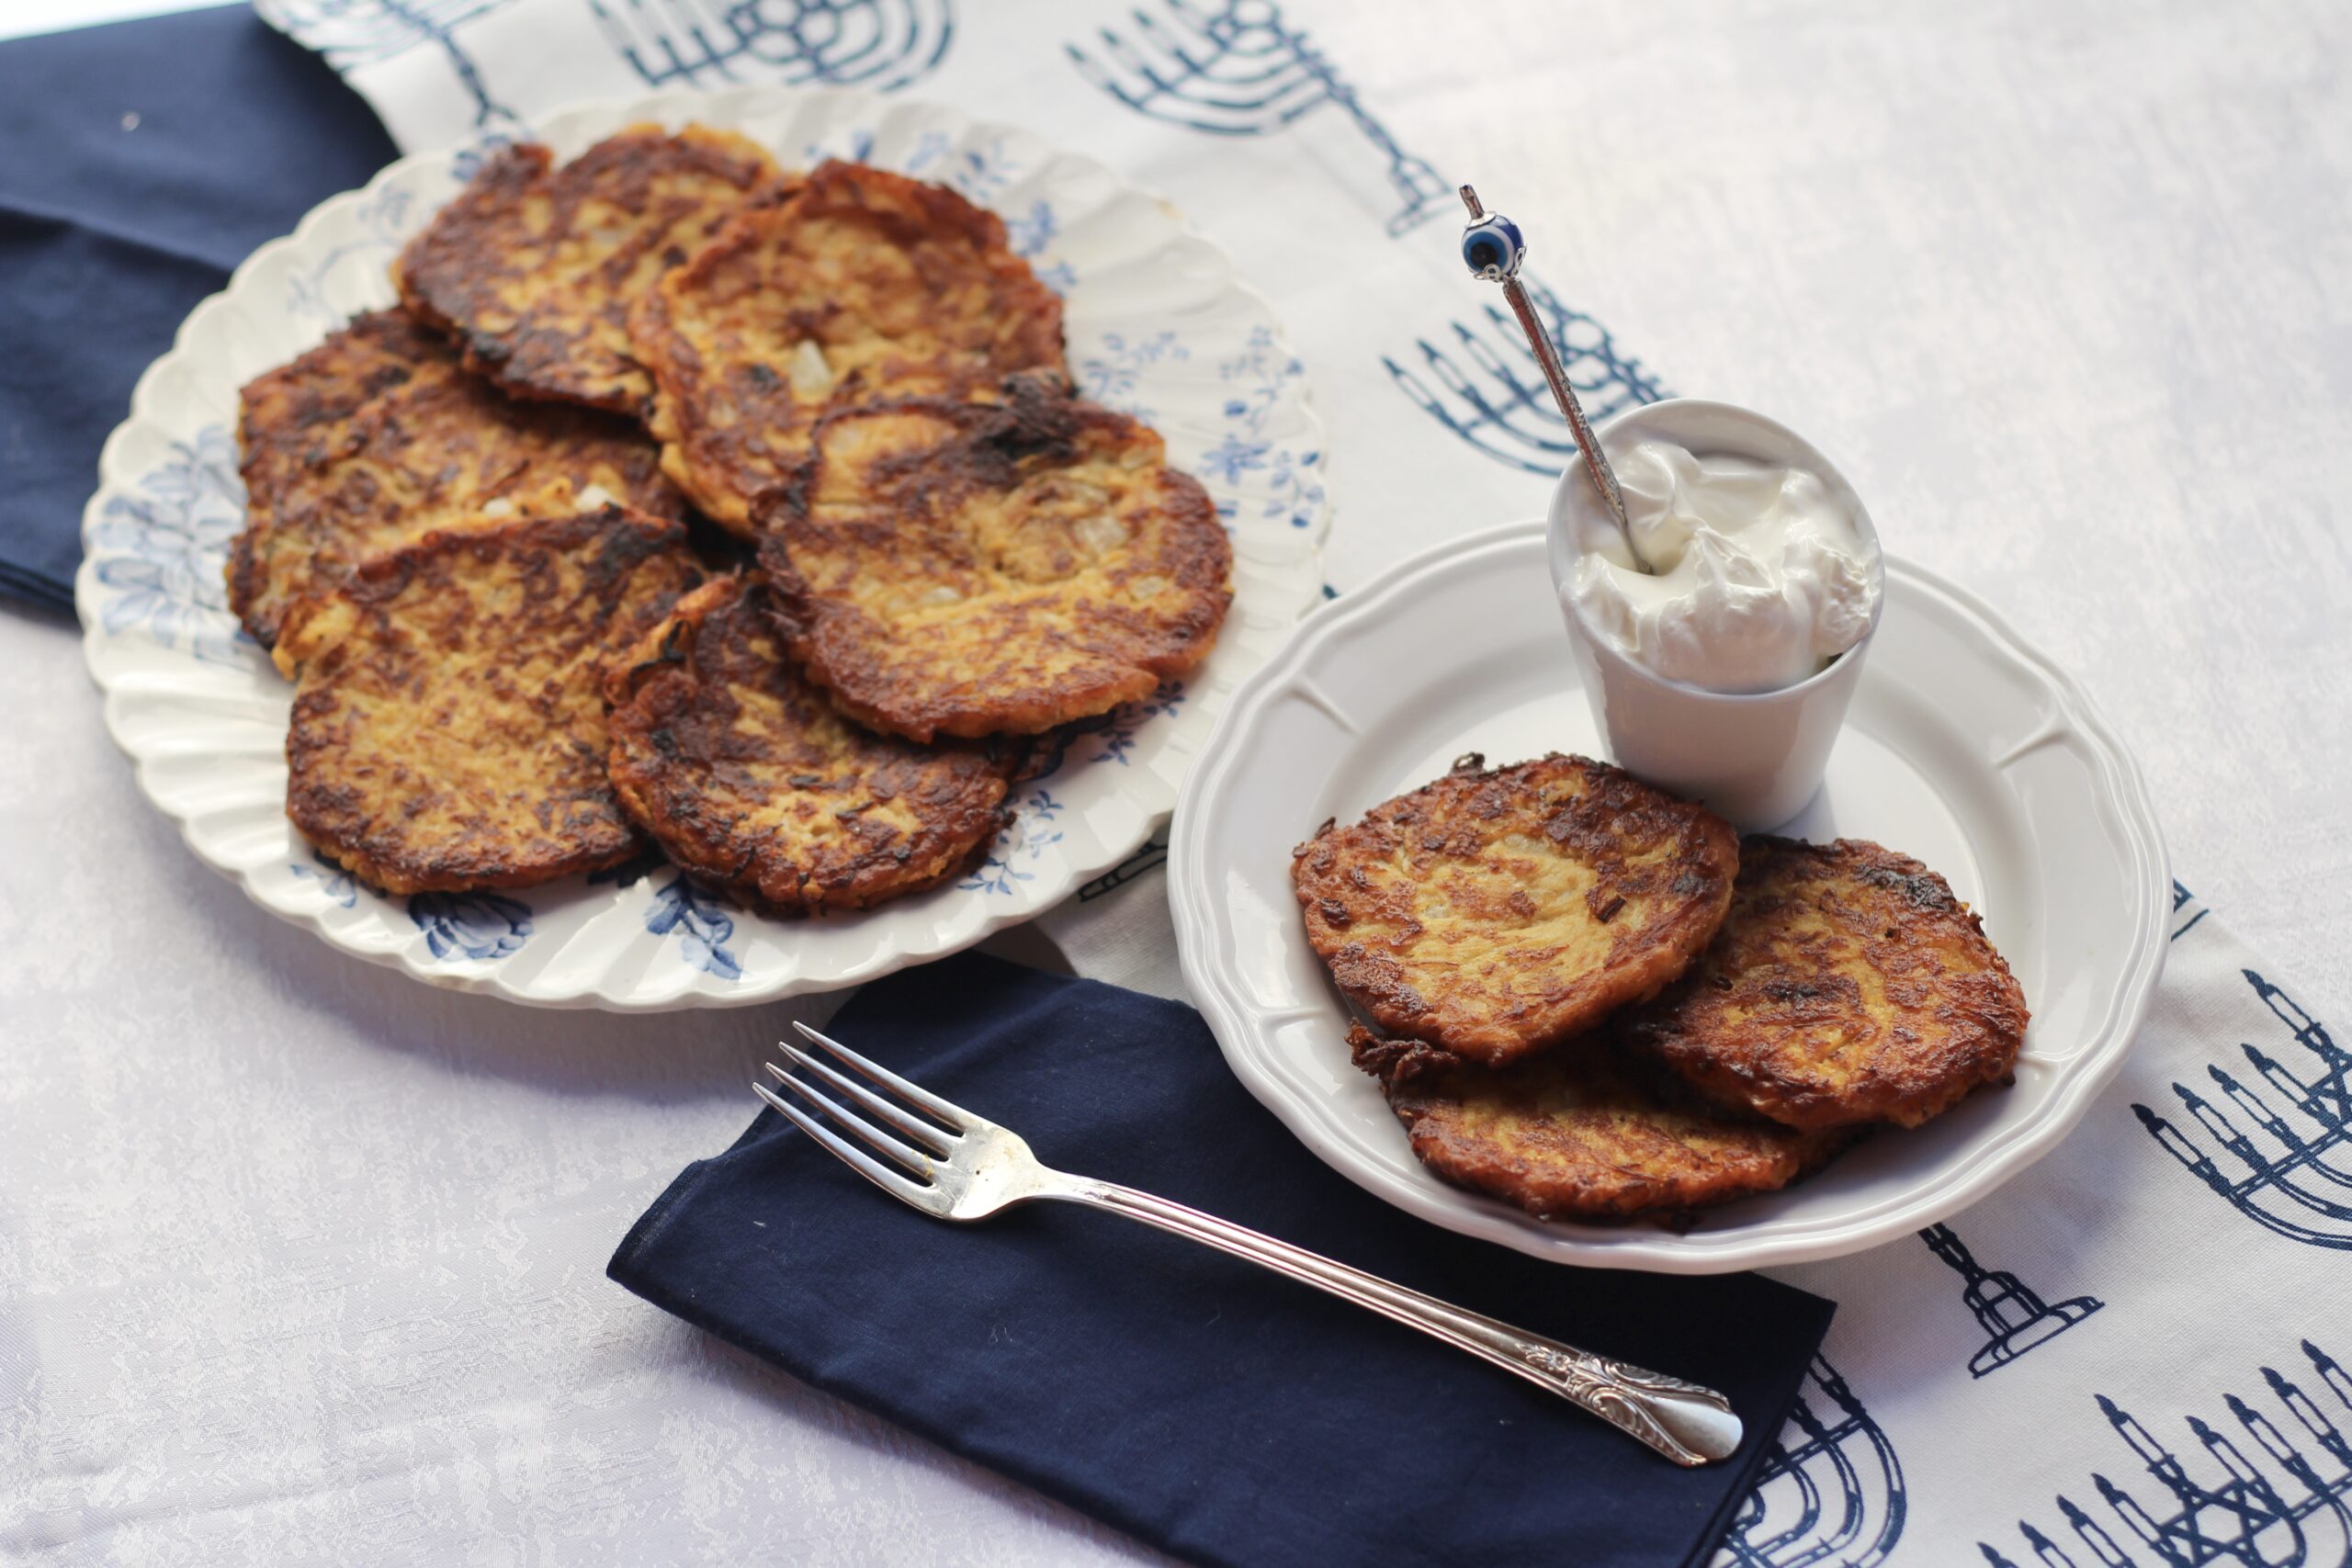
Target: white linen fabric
{"x": 301, "y": 1261}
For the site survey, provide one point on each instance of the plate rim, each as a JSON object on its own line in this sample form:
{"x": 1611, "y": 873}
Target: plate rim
{"x": 2091, "y": 1069}
{"x": 664, "y": 105}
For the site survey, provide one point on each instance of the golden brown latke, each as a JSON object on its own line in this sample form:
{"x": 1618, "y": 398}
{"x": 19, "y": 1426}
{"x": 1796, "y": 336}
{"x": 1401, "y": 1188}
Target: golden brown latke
{"x": 746, "y": 777}
{"x": 378, "y": 436}
{"x": 1595, "y": 1132}
{"x": 864, "y": 286}
{"x": 976, "y": 569}
{"x": 448, "y": 728}
{"x": 1847, "y": 985}
{"x": 533, "y": 269}
{"x": 1495, "y": 912}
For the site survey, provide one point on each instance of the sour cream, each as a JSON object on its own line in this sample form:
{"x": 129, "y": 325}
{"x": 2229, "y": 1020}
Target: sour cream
{"x": 1762, "y": 577}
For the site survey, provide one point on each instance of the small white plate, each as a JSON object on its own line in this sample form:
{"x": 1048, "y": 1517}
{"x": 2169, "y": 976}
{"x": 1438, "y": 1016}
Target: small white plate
{"x": 1963, "y": 747}
{"x": 1158, "y": 325}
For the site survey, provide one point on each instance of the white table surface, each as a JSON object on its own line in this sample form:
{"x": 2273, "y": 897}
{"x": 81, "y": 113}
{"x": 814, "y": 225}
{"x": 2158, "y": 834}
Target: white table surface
{"x": 2072, "y": 285}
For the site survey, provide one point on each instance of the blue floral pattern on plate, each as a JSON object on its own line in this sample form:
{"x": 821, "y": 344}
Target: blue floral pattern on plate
{"x": 1032, "y": 833}
{"x": 337, "y": 884}
{"x": 1219, "y": 383}
{"x": 477, "y": 926}
{"x": 701, "y": 924}
{"x": 164, "y": 550}
{"x": 1290, "y": 479}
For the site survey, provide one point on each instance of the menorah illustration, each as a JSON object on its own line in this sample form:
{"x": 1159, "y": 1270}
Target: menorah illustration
{"x": 1153, "y": 855}
{"x": 1239, "y": 70}
{"x": 883, "y": 44}
{"x": 2185, "y": 911}
{"x": 1830, "y": 1489}
{"x": 2297, "y": 1178}
{"x": 2298, "y": 1511}
{"x": 352, "y": 33}
{"x": 1480, "y": 380}
{"x": 2015, "y": 1317}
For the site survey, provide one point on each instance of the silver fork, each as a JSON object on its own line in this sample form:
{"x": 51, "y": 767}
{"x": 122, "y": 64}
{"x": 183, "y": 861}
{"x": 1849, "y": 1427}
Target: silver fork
{"x": 956, "y": 1165}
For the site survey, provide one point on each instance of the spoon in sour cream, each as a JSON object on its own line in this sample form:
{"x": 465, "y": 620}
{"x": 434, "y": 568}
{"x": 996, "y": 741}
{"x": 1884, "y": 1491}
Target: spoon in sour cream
{"x": 1492, "y": 247}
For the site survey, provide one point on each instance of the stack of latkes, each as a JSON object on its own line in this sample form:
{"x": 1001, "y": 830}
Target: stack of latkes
{"x": 1594, "y": 1001}
{"x": 687, "y": 499}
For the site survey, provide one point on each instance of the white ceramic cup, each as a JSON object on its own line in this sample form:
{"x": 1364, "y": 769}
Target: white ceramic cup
{"x": 1754, "y": 758}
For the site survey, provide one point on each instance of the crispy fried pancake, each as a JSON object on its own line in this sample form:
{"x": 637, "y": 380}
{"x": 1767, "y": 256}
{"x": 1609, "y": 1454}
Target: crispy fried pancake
{"x": 448, "y": 730}
{"x": 1495, "y": 912}
{"x": 378, "y": 436}
{"x": 994, "y": 569}
{"x": 533, "y": 269}
{"x": 1847, "y": 985}
{"x": 865, "y": 286}
{"x": 745, "y": 775}
{"x": 1595, "y": 1132}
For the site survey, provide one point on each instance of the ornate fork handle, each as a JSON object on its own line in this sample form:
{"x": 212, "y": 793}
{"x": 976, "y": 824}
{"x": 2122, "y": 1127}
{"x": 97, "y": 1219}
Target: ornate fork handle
{"x": 1687, "y": 1424}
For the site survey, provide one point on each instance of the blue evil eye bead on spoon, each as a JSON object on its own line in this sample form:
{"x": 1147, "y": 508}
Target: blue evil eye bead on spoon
{"x": 1492, "y": 248}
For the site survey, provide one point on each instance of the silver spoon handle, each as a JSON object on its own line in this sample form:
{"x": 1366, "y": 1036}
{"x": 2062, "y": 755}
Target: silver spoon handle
{"x": 1555, "y": 375}
{"x": 1687, "y": 1424}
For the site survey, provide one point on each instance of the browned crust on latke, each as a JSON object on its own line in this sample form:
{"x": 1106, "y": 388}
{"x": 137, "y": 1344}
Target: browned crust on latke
{"x": 1498, "y": 911}
{"x": 533, "y": 269}
{"x": 378, "y": 436}
{"x": 1845, "y": 985}
{"x": 745, "y": 776}
{"x": 1594, "y": 1132}
{"x": 910, "y": 288}
{"x": 1009, "y": 511}
{"x": 449, "y": 729}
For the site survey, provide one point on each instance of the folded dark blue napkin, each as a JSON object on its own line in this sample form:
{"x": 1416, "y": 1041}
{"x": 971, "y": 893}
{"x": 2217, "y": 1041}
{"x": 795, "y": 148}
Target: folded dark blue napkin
{"x": 139, "y": 162}
{"x": 1212, "y": 1409}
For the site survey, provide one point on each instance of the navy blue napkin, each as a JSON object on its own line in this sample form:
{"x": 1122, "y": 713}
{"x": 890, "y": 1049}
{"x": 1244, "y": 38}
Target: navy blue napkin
{"x": 1202, "y": 1404}
{"x": 139, "y": 164}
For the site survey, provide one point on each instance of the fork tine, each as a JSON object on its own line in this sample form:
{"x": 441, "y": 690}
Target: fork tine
{"x": 857, "y": 1159}
{"x": 934, "y": 1140}
{"x": 918, "y": 1164}
{"x": 963, "y": 1120}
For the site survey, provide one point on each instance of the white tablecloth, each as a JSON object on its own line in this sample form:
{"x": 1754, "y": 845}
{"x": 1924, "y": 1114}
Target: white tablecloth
{"x": 294, "y": 1251}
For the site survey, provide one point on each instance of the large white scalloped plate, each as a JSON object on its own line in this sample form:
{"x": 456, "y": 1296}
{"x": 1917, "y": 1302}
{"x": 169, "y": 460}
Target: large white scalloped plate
{"x": 1158, "y": 324}
{"x": 1965, "y": 747}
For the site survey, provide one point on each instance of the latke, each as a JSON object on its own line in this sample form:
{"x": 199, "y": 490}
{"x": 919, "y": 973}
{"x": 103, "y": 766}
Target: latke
{"x": 1847, "y": 985}
{"x": 533, "y": 269}
{"x": 378, "y": 436}
{"x": 864, "y": 286}
{"x": 1596, "y": 1132}
{"x": 448, "y": 728}
{"x": 1497, "y": 912}
{"x": 748, "y": 779}
{"x": 973, "y": 569}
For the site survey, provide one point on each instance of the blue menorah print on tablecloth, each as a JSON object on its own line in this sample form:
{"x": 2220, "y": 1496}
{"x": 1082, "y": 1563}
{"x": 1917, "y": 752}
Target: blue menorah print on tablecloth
{"x": 882, "y": 44}
{"x": 2293, "y": 1174}
{"x": 2187, "y": 911}
{"x": 1239, "y": 70}
{"x": 1830, "y": 1490}
{"x": 1480, "y": 380}
{"x": 161, "y": 552}
{"x": 2015, "y": 1319}
{"x": 2295, "y": 1511}
{"x": 477, "y": 926}
{"x": 1151, "y": 857}
{"x": 352, "y": 33}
